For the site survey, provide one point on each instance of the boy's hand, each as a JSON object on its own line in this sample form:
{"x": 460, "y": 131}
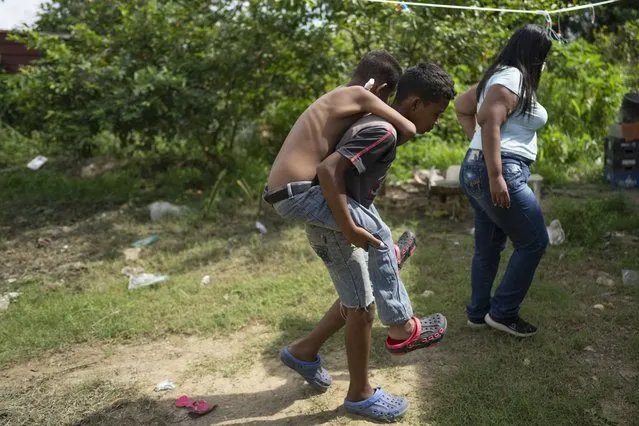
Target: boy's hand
{"x": 404, "y": 137}
{"x": 407, "y": 131}
{"x": 360, "y": 237}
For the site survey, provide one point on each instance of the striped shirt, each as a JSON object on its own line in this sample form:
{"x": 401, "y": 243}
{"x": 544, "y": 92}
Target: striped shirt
{"x": 370, "y": 144}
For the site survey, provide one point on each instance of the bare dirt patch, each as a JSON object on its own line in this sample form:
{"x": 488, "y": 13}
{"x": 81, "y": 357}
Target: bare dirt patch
{"x": 113, "y": 384}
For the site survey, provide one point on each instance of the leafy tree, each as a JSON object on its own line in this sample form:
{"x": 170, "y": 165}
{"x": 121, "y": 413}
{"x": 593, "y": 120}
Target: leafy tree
{"x": 177, "y": 70}
{"x": 222, "y": 82}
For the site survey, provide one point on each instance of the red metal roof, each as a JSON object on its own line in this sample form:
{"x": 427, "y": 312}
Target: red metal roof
{"x": 14, "y": 55}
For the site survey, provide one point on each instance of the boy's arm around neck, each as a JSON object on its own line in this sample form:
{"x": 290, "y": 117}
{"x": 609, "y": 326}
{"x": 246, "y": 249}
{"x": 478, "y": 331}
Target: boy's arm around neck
{"x": 357, "y": 100}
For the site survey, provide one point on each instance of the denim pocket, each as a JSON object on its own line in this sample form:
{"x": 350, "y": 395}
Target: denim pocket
{"x": 515, "y": 176}
{"x": 322, "y": 252}
{"x": 471, "y": 179}
{"x": 320, "y": 240}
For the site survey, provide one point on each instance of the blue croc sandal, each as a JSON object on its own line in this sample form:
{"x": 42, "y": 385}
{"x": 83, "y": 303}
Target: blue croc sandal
{"x": 313, "y": 372}
{"x": 381, "y": 407}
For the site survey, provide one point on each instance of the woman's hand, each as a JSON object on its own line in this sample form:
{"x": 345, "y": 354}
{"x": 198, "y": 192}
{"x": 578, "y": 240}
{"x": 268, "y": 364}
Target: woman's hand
{"x": 499, "y": 192}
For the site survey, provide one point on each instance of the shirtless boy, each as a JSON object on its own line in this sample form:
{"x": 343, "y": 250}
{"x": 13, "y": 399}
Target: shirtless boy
{"x": 317, "y": 130}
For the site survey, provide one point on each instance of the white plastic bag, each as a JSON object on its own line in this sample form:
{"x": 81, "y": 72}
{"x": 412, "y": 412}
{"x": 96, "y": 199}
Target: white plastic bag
{"x": 556, "y": 233}
{"x": 145, "y": 280}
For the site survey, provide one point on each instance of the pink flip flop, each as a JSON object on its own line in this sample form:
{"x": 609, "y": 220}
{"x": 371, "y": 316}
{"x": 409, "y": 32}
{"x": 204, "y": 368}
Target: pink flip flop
{"x": 197, "y": 407}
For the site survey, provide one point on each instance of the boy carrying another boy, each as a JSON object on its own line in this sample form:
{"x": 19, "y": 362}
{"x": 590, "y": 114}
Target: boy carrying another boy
{"x": 355, "y": 244}
{"x": 316, "y": 132}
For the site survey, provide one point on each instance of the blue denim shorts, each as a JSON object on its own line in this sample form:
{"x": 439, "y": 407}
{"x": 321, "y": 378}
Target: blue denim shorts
{"x": 360, "y": 277}
{"x": 304, "y": 207}
{"x": 346, "y": 264}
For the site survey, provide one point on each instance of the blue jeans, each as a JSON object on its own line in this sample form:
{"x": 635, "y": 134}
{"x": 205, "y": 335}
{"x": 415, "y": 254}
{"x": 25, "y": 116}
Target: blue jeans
{"x": 523, "y": 223}
{"x": 393, "y": 303}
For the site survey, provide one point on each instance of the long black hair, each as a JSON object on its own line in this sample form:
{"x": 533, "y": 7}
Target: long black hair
{"x": 526, "y": 50}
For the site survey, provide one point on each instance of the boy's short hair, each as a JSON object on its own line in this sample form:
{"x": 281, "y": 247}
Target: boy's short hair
{"x": 380, "y": 65}
{"x": 427, "y": 81}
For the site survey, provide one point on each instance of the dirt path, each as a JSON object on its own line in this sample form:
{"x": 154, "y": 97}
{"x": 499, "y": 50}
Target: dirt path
{"x": 249, "y": 388}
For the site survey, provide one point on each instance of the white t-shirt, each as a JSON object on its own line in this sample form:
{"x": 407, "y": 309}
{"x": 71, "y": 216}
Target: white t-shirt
{"x": 519, "y": 132}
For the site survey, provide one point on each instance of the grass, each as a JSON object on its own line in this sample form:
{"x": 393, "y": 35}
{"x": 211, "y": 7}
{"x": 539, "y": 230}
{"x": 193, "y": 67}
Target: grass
{"x": 276, "y": 280}
{"x": 71, "y": 405}
{"x": 589, "y": 219}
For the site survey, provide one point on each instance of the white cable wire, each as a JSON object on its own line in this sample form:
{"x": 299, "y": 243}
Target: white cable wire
{"x": 583, "y": 6}
{"x": 494, "y": 9}
{"x": 447, "y": 6}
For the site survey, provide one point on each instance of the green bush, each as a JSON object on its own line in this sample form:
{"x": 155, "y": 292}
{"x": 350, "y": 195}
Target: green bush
{"x": 582, "y": 93}
{"x": 424, "y": 153}
{"x": 587, "y": 221}
{"x": 16, "y": 149}
{"x": 184, "y": 84}
{"x": 621, "y": 47}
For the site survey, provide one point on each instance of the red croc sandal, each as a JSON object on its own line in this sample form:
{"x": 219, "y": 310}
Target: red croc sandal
{"x": 427, "y": 332}
{"x": 405, "y": 248}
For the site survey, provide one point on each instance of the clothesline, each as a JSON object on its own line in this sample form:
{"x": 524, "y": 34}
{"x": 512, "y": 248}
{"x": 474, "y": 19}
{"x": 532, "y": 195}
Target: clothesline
{"x": 496, "y": 9}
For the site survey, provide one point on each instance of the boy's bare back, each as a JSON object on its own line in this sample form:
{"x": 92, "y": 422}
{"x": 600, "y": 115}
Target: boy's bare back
{"x": 314, "y": 136}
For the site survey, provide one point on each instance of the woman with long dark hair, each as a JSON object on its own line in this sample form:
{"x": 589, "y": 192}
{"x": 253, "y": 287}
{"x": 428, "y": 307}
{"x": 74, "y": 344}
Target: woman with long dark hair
{"x": 501, "y": 116}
